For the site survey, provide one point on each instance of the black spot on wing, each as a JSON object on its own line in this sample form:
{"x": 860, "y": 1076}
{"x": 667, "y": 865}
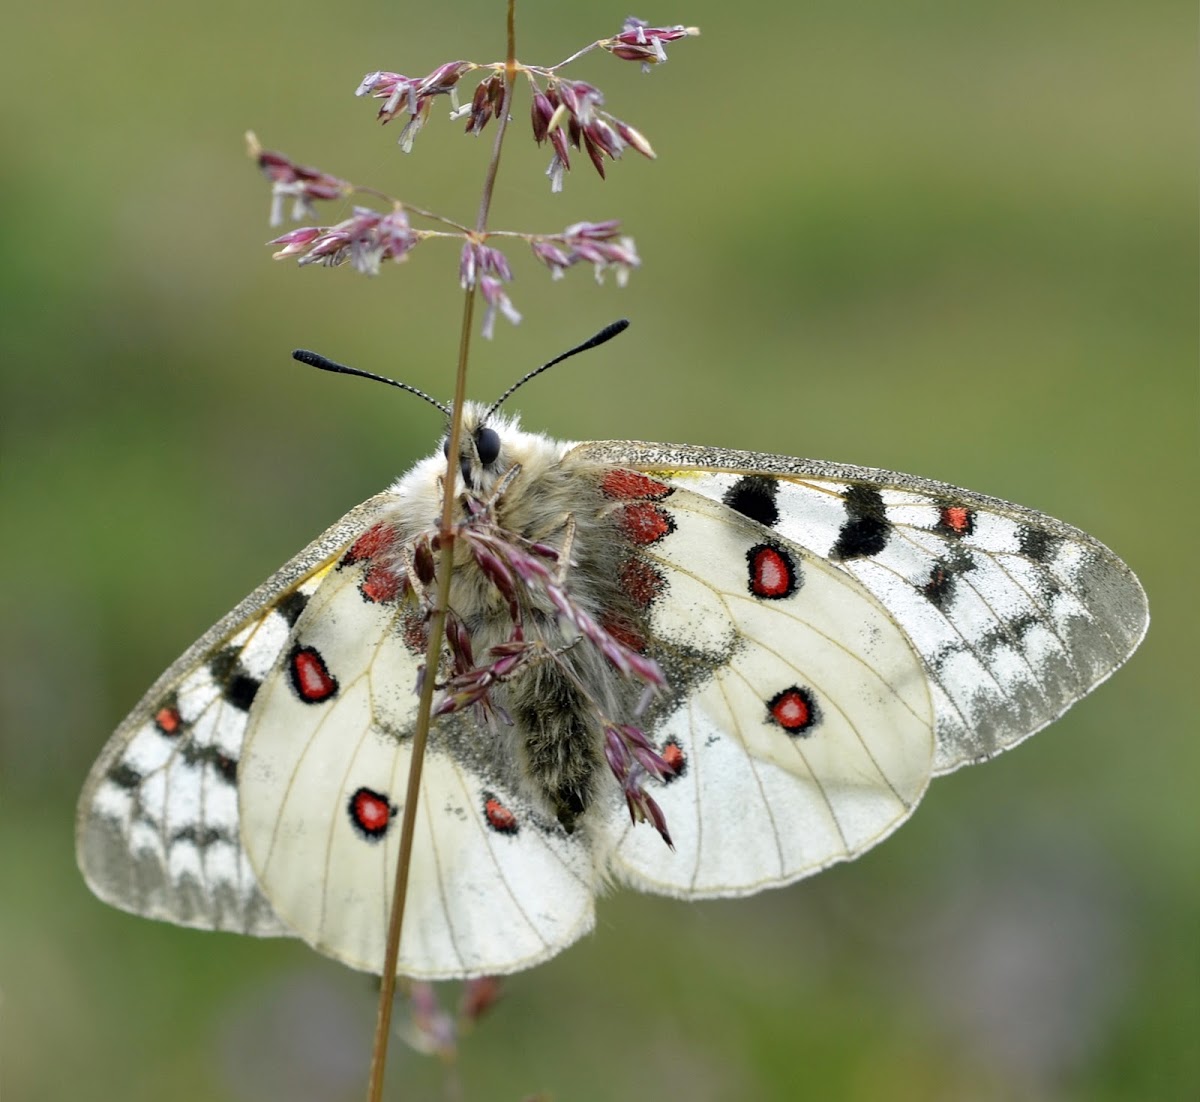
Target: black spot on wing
{"x": 940, "y": 587}
{"x": 865, "y": 531}
{"x": 1038, "y": 545}
{"x": 240, "y": 691}
{"x": 754, "y": 496}
{"x": 237, "y": 686}
{"x": 291, "y": 606}
{"x": 1015, "y": 630}
{"x": 202, "y": 838}
{"x": 1006, "y": 636}
{"x": 223, "y": 764}
{"x": 223, "y": 664}
{"x": 124, "y": 776}
{"x": 226, "y": 768}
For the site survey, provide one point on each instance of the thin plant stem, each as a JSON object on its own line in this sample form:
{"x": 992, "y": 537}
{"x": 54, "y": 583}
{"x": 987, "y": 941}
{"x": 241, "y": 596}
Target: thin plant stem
{"x": 411, "y": 208}
{"x": 510, "y": 73}
{"x": 566, "y": 61}
{"x": 437, "y": 624}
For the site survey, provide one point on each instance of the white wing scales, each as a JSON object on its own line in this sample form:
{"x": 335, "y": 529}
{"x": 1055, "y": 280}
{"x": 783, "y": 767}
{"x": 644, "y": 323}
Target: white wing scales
{"x": 494, "y": 884}
{"x": 168, "y": 799}
{"x": 832, "y": 636}
{"x": 1010, "y": 640}
{"x": 1016, "y": 615}
{"x": 157, "y": 830}
{"x": 757, "y": 805}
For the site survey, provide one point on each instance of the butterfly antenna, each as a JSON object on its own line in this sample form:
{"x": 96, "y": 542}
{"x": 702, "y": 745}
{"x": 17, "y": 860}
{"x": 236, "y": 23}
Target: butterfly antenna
{"x": 315, "y": 359}
{"x": 605, "y": 334}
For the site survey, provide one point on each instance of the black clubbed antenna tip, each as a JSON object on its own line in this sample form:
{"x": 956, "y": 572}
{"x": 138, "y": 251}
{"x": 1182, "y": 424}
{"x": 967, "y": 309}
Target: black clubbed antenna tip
{"x": 315, "y": 359}
{"x": 606, "y": 334}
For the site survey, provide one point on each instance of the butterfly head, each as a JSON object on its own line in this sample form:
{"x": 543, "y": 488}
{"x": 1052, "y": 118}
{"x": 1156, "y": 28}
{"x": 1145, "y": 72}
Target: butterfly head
{"x": 491, "y": 444}
{"x": 481, "y": 452}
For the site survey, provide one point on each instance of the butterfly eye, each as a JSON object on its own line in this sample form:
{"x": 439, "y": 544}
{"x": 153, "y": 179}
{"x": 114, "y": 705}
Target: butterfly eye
{"x": 487, "y": 444}
{"x": 446, "y": 447}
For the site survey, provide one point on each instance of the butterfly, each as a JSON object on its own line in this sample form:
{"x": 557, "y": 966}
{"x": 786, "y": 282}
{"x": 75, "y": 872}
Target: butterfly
{"x": 694, "y": 671}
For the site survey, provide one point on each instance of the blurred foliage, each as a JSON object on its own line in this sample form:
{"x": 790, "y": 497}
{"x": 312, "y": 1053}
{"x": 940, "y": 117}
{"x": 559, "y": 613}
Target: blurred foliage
{"x": 957, "y": 239}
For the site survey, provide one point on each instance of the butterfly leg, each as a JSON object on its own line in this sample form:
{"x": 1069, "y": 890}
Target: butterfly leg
{"x": 564, "y": 554}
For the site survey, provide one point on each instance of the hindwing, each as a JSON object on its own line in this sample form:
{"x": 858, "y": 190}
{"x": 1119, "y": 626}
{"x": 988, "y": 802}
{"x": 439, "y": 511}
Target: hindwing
{"x": 1015, "y": 615}
{"x": 797, "y": 713}
{"x": 494, "y": 884}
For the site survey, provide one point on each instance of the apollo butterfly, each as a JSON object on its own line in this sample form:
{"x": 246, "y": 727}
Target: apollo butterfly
{"x": 828, "y": 638}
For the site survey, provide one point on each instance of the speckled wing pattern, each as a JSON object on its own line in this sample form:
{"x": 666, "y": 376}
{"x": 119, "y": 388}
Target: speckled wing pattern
{"x": 1014, "y": 614}
{"x": 158, "y": 831}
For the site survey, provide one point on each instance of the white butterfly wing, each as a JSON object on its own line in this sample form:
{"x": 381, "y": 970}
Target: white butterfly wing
{"x": 832, "y": 637}
{"x": 1016, "y": 615}
{"x": 494, "y": 885}
{"x": 157, "y": 828}
{"x": 806, "y": 733}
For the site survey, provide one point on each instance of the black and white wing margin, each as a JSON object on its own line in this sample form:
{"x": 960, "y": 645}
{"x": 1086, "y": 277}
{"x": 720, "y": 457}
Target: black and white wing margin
{"x": 1015, "y": 615}
{"x": 157, "y": 828}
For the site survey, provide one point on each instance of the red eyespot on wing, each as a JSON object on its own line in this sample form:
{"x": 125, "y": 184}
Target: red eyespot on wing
{"x": 414, "y": 631}
{"x": 623, "y": 632}
{"x": 380, "y": 584}
{"x": 632, "y": 485}
{"x": 371, "y": 813}
{"x": 168, "y": 720}
{"x": 641, "y": 582}
{"x": 956, "y": 520}
{"x": 372, "y": 542}
{"x": 311, "y": 678}
{"x": 794, "y": 710}
{"x": 773, "y": 572}
{"x": 645, "y": 523}
{"x": 673, "y": 755}
{"x": 498, "y": 817}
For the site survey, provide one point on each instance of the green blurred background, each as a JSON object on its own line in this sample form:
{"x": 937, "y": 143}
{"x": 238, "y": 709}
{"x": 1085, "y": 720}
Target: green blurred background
{"x": 950, "y": 238}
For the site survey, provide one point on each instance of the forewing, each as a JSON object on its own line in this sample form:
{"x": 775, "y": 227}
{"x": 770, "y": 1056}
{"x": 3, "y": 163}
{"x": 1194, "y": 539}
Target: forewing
{"x": 494, "y": 885}
{"x": 157, "y": 828}
{"x": 798, "y": 713}
{"x": 1016, "y": 615}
